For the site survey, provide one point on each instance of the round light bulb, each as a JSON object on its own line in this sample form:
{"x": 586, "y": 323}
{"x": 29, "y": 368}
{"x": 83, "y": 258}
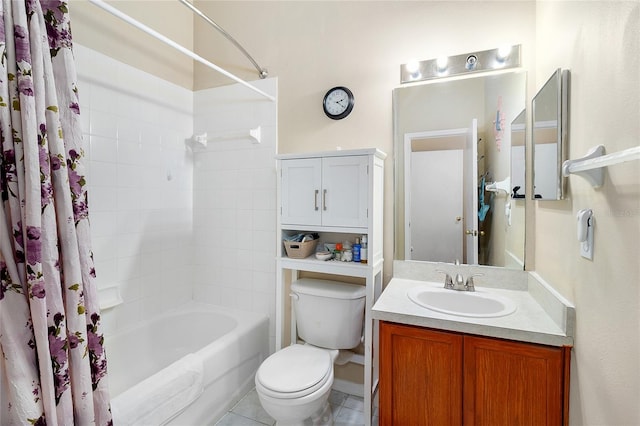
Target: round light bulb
{"x": 412, "y": 66}
{"x": 442, "y": 62}
{"x": 503, "y": 52}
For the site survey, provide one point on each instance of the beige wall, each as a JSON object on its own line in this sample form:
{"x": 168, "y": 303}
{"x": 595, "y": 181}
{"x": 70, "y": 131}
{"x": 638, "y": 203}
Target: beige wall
{"x": 599, "y": 42}
{"x": 312, "y": 46}
{"x": 95, "y": 28}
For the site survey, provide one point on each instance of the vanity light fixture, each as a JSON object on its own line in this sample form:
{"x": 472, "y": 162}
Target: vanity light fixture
{"x": 484, "y": 61}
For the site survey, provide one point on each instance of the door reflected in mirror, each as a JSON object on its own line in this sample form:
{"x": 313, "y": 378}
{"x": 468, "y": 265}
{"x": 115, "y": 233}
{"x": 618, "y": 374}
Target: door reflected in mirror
{"x": 452, "y": 140}
{"x": 549, "y": 112}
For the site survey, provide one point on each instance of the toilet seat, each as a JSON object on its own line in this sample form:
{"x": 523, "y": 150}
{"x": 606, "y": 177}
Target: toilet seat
{"x": 294, "y": 372}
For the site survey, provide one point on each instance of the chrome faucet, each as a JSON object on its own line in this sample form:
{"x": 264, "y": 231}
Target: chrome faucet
{"x": 448, "y": 281}
{"x": 470, "y": 286}
{"x": 458, "y": 284}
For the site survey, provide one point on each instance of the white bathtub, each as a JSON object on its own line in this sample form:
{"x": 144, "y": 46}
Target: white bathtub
{"x": 226, "y": 345}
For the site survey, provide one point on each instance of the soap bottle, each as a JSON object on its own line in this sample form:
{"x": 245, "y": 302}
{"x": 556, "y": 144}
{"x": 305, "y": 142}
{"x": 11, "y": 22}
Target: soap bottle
{"x": 338, "y": 251}
{"x": 356, "y": 250}
{"x": 364, "y": 255}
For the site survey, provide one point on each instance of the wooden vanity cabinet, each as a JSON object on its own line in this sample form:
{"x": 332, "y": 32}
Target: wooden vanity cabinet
{"x": 433, "y": 377}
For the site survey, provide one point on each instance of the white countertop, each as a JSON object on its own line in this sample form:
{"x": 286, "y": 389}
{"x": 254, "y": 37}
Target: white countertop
{"x": 531, "y": 322}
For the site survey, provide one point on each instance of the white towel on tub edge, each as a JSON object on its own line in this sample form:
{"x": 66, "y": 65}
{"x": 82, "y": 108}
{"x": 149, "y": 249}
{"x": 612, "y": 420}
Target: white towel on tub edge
{"x": 159, "y": 398}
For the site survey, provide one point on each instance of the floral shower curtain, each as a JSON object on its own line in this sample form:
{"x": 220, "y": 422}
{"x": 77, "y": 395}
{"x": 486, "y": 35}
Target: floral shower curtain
{"x": 51, "y": 346}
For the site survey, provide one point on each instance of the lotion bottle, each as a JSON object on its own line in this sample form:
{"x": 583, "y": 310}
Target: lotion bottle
{"x": 364, "y": 255}
{"x": 356, "y": 250}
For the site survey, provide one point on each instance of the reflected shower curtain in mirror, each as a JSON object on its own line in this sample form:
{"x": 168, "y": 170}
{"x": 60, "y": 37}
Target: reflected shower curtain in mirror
{"x": 52, "y": 358}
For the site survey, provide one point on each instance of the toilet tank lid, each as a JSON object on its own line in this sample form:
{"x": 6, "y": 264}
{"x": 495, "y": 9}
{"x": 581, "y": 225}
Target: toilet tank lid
{"x": 328, "y": 288}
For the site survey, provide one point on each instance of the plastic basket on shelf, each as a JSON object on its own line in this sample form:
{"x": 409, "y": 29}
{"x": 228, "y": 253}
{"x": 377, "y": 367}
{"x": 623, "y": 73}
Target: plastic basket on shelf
{"x": 296, "y": 250}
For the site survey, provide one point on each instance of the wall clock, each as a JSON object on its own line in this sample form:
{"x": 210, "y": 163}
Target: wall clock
{"x": 338, "y": 103}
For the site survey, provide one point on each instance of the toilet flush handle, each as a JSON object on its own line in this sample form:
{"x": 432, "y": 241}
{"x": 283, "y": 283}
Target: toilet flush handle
{"x": 294, "y": 296}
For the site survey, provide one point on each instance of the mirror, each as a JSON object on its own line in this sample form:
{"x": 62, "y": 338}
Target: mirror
{"x": 518, "y": 139}
{"x": 451, "y": 144}
{"x": 549, "y": 112}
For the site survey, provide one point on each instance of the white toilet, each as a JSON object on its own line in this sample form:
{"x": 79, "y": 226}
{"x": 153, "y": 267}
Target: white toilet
{"x": 294, "y": 383}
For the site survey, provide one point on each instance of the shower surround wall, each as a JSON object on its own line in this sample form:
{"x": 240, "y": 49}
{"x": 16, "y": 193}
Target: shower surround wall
{"x": 152, "y": 200}
{"x": 234, "y": 200}
{"x": 140, "y": 185}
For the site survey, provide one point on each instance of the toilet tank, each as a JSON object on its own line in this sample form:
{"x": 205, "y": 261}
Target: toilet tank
{"x": 329, "y": 314}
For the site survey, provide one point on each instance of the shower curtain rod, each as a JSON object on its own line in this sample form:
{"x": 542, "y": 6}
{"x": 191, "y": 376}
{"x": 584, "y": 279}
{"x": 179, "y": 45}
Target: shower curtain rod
{"x": 101, "y": 4}
{"x": 262, "y": 72}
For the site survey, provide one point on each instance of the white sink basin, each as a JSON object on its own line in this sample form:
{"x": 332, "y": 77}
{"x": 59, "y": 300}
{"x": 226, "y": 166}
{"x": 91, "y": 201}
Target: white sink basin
{"x": 462, "y": 303}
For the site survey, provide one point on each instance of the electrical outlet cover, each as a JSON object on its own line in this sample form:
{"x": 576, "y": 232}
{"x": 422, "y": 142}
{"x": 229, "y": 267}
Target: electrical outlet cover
{"x": 586, "y": 247}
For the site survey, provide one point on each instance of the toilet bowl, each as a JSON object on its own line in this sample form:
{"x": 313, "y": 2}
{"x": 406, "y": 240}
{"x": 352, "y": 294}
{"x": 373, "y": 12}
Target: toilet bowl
{"x": 294, "y": 384}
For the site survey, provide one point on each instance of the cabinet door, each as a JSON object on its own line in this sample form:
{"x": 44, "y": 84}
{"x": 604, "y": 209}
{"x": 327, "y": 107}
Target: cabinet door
{"x": 301, "y": 191}
{"x": 420, "y": 376}
{"x": 509, "y": 383}
{"x": 345, "y": 191}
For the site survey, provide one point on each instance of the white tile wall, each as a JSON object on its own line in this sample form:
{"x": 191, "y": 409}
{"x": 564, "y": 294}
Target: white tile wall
{"x": 235, "y": 200}
{"x": 140, "y": 177}
{"x": 168, "y": 224}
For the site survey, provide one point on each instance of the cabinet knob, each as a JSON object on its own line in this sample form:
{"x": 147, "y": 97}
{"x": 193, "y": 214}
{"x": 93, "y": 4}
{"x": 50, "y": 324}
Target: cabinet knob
{"x": 315, "y": 199}
{"x": 324, "y": 199}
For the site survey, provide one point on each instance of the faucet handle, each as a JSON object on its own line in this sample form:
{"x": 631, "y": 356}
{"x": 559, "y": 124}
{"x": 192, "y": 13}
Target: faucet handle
{"x": 469, "y": 285}
{"x": 448, "y": 281}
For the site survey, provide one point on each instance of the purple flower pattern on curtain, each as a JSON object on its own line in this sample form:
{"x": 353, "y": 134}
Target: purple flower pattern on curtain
{"x": 51, "y": 345}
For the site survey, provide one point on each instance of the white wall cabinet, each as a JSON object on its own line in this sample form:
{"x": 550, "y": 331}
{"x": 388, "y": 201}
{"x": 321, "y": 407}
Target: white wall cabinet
{"x": 339, "y": 195}
{"x": 330, "y": 191}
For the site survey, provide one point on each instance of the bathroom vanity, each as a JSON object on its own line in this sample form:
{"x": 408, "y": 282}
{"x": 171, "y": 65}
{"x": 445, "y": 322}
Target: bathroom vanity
{"x": 453, "y": 365}
{"x": 339, "y": 196}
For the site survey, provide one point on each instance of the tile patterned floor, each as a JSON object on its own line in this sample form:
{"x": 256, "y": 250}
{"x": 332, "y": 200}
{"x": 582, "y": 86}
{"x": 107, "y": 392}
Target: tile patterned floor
{"x": 348, "y": 410}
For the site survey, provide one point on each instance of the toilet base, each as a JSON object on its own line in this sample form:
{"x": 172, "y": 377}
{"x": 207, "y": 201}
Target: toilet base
{"x": 323, "y": 417}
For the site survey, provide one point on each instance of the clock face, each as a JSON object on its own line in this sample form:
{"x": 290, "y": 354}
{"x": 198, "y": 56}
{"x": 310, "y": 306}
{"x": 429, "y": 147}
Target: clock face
{"x": 338, "y": 103}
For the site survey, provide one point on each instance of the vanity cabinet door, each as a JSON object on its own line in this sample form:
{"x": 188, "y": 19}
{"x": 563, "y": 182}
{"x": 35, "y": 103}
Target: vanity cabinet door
{"x": 420, "y": 376}
{"x": 512, "y": 383}
{"x": 301, "y": 191}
